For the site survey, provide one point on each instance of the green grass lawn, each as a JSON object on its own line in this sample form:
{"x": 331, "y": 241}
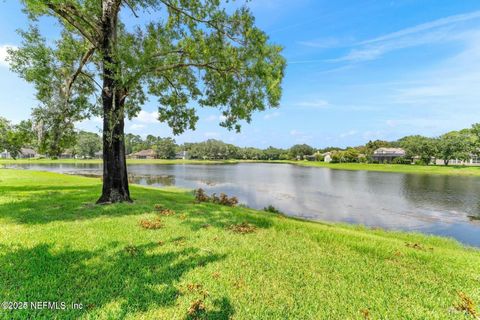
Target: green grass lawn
{"x": 56, "y": 245}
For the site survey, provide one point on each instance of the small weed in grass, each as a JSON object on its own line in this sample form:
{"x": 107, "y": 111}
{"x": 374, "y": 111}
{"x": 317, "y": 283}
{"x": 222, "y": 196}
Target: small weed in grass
{"x": 152, "y": 224}
{"x": 365, "y": 313}
{"x": 242, "y": 228}
{"x": 193, "y": 287}
{"x": 166, "y": 212}
{"x": 417, "y": 246}
{"x": 159, "y": 207}
{"x": 206, "y": 226}
{"x": 216, "y": 275}
{"x": 179, "y": 241}
{"x": 131, "y": 250}
{"x": 197, "y": 289}
{"x": 196, "y": 309}
{"x": 160, "y": 243}
{"x": 467, "y": 305}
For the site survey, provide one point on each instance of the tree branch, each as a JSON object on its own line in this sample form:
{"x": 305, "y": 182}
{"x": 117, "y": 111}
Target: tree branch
{"x": 74, "y": 76}
{"x": 91, "y": 78}
{"x": 131, "y": 8}
{"x": 207, "y": 65}
{"x": 71, "y": 14}
{"x": 177, "y": 94}
{"x": 207, "y": 22}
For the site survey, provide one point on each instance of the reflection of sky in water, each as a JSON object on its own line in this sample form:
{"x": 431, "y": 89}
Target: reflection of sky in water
{"x": 427, "y": 203}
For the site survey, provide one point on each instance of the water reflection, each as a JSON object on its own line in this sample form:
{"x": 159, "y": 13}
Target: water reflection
{"x": 159, "y": 181}
{"x": 444, "y": 205}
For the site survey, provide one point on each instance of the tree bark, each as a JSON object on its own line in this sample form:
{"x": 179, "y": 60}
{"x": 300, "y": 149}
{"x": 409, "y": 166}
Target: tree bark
{"x": 115, "y": 178}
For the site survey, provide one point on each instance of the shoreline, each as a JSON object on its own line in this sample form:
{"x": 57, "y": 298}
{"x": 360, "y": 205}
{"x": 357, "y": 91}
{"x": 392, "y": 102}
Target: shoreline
{"x": 393, "y": 168}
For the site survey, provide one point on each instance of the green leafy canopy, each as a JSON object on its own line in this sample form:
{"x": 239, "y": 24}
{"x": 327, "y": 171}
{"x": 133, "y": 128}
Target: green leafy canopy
{"x": 183, "y": 52}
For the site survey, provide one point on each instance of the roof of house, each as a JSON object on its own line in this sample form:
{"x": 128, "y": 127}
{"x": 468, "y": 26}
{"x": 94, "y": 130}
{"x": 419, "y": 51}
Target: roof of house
{"x": 144, "y": 153}
{"x": 99, "y": 153}
{"x": 394, "y": 151}
{"x": 26, "y": 151}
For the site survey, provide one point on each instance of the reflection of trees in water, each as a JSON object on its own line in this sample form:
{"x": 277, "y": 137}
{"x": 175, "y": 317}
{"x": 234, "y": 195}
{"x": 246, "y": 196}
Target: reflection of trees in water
{"x": 475, "y": 218}
{"x": 167, "y": 180}
{"x": 449, "y": 192}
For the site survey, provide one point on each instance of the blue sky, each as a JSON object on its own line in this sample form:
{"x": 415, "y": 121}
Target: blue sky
{"x": 357, "y": 71}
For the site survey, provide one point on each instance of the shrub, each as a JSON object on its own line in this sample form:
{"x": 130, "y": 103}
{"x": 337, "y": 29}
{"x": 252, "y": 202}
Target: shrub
{"x": 201, "y": 196}
{"x": 401, "y": 160}
{"x": 420, "y": 162}
{"x": 226, "y": 201}
{"x": 223, "y": 199}
{"x": 272, "y": 209}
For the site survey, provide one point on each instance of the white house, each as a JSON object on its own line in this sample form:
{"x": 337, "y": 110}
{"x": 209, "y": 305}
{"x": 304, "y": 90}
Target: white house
{"x": 327, "y": 157}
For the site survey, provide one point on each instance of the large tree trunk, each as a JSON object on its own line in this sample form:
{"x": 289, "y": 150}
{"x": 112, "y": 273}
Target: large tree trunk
{"x": 115, "y": 178}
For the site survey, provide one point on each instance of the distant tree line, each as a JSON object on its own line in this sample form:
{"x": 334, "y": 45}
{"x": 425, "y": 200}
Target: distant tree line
{"x": 460, "y": 145}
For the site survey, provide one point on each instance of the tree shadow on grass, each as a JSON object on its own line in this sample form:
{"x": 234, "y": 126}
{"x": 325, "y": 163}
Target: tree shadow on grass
{"x": 44, "y": 204}
{"x": 126, "y": 281}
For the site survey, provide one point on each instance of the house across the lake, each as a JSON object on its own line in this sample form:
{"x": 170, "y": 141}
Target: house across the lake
{"x": 144, "y": 154}
{"x": 25, "y": 153}
{"x": 98, "y": 155}
{"x": 472, "y": 161}
{"x": 327, "y": 157}
{"x": 386, "y": 155}
{"x": 67, "y": 154}
{"x": 5, "y": 155}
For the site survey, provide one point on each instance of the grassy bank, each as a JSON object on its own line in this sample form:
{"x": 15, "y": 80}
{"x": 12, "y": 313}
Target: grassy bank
{"x": 56, "y": 245}
{"x": 400, "y": 168}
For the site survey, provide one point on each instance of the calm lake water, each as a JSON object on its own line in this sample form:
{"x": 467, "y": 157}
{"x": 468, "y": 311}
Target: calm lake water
{"x": 441, "y": 205}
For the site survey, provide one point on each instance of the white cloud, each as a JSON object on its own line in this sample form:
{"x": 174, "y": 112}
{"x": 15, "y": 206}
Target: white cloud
{"x": 211, "y": 135}
{"x": 426, "y": 26}
{"x": 348, "y": 134}
{"x": 136, "y": 126}
{"x": 147, "y": 117}
{"x": 322, "y": 43}
{"x": 453, "y": 84}
{"x": 317, "y": 103}
{"x": 295, "y": 132}
{"x": 271, "y": 115}
{"x": 212, "y": 118}
{"x": 437, "y": 31}
{"x": 4, "y": 54}
{"x": 300, "y": 136}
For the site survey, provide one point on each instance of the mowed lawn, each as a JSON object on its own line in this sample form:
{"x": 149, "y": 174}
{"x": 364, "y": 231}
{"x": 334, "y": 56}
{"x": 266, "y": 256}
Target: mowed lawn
{"x": 57, "y": 245}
